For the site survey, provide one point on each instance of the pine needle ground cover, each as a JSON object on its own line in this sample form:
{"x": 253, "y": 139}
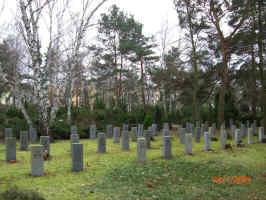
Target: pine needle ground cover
{"x": 116, "y": 175}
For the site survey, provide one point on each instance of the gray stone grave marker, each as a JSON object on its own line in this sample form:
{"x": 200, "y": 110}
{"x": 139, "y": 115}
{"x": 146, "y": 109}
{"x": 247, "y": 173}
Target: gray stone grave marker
{"x": 207, "y": 141}
{"x": 77, "y": 157}
{"x": 93, "y": 131}
{"x": 223, "y": 138}
{"x": 10, "y": 148}
{"x": 250, "y": 136}
{"x": 261, "y": 134}
{"x": 125, "y": 140}
{"x": 237, "y": 137}
{"x": 8, "y": 132}
{"x": 24, "y": 140}
{"x": 74, "y": 129}
{"x": 37, "y": 163}
{"x": 182, "y": 135}
{"x": 165, "y": 132}
{"x": 101, "y": 143}
{"x": 154, "y": 129}
{"x": 140, "y": 130}
{"x": 147, "y": 135}
{"x": 134, "y": 134}
{"x": 167, "y": 147}
{"x": 188, "y": 143}
{"x": 197, "y": 134}
{"x": 109, "y": 131}
{"x": 116, "y": 138}
{"x": 141, "y": 150}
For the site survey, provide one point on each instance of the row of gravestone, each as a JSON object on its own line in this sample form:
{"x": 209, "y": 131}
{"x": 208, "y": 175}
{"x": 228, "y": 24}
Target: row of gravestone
{"x": 143, "y": 144}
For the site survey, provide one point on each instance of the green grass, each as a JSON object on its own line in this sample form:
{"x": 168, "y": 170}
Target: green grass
{"x": 116, "y": 175}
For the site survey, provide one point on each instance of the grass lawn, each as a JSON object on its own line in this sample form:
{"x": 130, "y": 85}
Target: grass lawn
{"x": 116, "y": 175}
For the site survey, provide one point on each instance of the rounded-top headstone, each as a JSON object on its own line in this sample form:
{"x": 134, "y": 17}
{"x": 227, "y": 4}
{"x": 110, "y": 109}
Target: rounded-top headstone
{"x": 101, "y": 143}
{"x": 10, "y": 149}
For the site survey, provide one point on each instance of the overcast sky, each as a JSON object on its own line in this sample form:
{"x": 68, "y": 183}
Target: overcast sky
{"x": 152, "y": 13}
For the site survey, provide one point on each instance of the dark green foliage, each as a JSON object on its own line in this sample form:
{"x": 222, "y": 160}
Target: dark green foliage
{"x": 15, "y": 193}
{"x": 60, "y": 129}
{"x": 17, "y": 124}
{"x": 148, "y": 120}
{"x": 14, "y": 112}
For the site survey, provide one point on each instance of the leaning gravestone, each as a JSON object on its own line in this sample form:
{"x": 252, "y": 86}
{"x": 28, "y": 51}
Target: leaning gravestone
{"x": 223, "y": 138}
{"x": 109, "y": 131}
{"x": 24, "y": 140}
{"x": 167, "y": 147}
{"x": 116, "y": 138}
{"x": 10, "y": 148}
{"x": 45, "y": 141}
{"x": 134, "y": 134}
{"x": 197, "y": 134}
{"x": 101, "y": 143}
{"x": 37, "y": 164}
{"x": 33, "y": 135}
{"x": 141, "y": 150}
{"x": 8, "y": 132}
{"x": 125, "y": 140}
{"x": 147, "y": 135}
{"x": 77, "y": 157}
{"x": 188, "y": 143}
{"x": 140, "y": 130}
{"x": 250, "y": 136}
{"x": 261, "y": 134}
{"x": 237, "y": 137}
{"x": 207, "y": 141}
{"x": 93, "y": 131}
{"x": 182, "y": 135}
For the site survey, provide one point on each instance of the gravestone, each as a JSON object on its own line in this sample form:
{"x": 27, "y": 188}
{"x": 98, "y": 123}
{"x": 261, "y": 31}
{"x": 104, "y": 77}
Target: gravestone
{"x": 134, "y": 134}
{"x": 242, "y": 130}
{"x": 24, "y": 140}
{"x": 141, "y": 150}
{"x": 77, "y": 157}
{"x": 73, "y": 129}
{"x": 197, "y": 123}
{"x": 45, "y": 141}
{"x": 8, "y": 132}
{"x": 261, "y": 134}
{"x": 125, "y": 140}
{"x": 154, "y": 129}
{"x": 33, "y": 135}
{"x": 140, "y": 130}
{"x": 237, "y": 137}
{"x": 101, "y": 143}
{"x": 231, "y": 122}
{"x": 109, "y": 131}
{"x": 223, "y": 138}
{"x": 165, "y": 132}
{"x": 147, "y": 135}
{"x": 210, "y": 131}
{"x": 74, "y": 138}
{"x": 93, "y": 131}
{"x": 182, "y": 135}
{"x": 10, "y": 148}
{"x": 116, "y": 138}
{"x": 207, "y": 141}
{"x": 37, "y": 163}
{"x": 233, "y": 129}
{"x": 167, "y": 147}
{"x": 188, "y": 143}
{"x": 250, "y": 136}
{"x": 197, "y": 134}
{"x": 166, "y": 126}
{"x": 188, "y": 127}
{"x": 125, "y": 127}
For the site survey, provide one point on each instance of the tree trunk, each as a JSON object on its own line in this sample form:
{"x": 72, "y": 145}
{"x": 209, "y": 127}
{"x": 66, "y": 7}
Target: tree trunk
{"x": 261, "y": 64}
{"x": 142, "y": 82}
